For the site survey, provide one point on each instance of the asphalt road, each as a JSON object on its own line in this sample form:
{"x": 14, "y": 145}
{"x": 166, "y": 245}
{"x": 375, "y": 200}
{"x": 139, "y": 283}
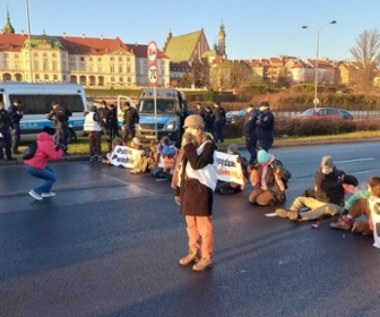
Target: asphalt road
{"x": 108, "y": 245}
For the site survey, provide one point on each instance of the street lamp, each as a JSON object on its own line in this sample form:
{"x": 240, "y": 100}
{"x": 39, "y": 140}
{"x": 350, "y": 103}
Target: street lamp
{"x": 318, "y": 30}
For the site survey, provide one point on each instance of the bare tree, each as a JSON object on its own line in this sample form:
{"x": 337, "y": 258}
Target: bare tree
{"x": 367, "y": 58}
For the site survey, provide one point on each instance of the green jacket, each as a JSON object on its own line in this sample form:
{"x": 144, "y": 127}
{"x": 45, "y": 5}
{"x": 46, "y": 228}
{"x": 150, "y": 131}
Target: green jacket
{"x": 355, "y": 197}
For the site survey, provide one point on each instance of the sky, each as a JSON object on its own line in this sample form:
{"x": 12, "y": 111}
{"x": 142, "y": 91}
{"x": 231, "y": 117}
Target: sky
{"x": 254, "y": 28}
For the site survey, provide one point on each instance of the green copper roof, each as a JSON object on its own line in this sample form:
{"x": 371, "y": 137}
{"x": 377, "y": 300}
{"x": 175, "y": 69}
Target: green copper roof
{"x": 181, "y": 48}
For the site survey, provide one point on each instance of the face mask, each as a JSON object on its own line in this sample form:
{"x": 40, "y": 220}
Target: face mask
{"x": 327, "y": 170}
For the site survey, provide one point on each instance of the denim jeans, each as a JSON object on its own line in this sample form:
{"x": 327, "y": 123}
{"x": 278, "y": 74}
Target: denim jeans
{"x": 47, "y": 174}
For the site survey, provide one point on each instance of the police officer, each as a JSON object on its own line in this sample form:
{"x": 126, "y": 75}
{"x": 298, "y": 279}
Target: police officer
{"x": 16, "y": 115}
{"x": 219, "y": 115}
{"x": 131, "y": 118}
{"x": 250, "y": 132}
{"x": 6, "y": 126}
{"x": 265, "y": 127}
{"x": 60, "y": 114}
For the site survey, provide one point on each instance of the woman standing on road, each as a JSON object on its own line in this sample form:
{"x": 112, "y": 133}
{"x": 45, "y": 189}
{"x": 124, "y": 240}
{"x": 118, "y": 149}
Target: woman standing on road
{"x": 195, "y": 192}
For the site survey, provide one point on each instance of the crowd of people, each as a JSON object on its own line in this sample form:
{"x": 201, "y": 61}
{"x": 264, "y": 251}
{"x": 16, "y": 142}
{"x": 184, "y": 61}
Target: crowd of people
{"x": 189, "y": 166}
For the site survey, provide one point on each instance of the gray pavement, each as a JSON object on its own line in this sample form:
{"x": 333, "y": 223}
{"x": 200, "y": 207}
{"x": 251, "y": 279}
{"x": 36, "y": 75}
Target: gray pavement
{"x": 108, "y": 245}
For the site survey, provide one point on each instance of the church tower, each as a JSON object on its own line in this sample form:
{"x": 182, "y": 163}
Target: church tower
{"x": 8, "y": 28}
{"x": 222, "y": 42}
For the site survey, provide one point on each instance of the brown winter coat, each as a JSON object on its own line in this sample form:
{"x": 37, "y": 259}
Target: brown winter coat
{"x": 196, "y": 199}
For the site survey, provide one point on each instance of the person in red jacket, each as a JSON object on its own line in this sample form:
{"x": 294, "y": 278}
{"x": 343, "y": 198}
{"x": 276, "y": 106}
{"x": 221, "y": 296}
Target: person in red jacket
{"x": 37, "y": 165}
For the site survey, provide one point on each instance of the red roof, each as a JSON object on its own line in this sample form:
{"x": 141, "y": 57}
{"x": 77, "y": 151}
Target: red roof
{"x": 140, "y": 50}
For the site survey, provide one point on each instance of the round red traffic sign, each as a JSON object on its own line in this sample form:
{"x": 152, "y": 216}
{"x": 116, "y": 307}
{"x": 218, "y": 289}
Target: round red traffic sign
{"x": 152, "y": 51}
{"x": 153, "y": 74}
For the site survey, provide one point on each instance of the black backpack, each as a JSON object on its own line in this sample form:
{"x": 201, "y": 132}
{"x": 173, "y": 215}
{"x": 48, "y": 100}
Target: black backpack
{"x": 30, "y": 151}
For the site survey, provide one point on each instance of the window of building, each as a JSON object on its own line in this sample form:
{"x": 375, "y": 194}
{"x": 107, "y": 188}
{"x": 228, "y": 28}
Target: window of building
{"x": 46, "y": 77}
{"x": 120, "y": 59}
{"x": 55, "y": 77}
{"x": 81, "y": 59}
{"x": 112, "y": 69}
{"x": 120, "y": 69}
{"x": 121, "y": 79}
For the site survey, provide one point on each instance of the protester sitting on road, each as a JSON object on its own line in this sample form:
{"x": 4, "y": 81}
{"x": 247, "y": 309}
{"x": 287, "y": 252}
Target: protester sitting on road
{"x": 37, "y": 165}
{"x": 166, "y": 159}
{"x": 269, "y": 179}
{"x": 356, "y": 206}
{"x": 140, "y": 164}
{"x": 327, "y": 198}
{"x": 227, "y": 188}
{"x": 115, "y": 142}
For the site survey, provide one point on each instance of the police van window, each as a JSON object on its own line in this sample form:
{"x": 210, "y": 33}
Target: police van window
{"x": 41, "y": 104}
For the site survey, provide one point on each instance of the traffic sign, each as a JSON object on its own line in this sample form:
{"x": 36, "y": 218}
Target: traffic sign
{"x": 152, "y": 51}
{"x": 153, "y": 74}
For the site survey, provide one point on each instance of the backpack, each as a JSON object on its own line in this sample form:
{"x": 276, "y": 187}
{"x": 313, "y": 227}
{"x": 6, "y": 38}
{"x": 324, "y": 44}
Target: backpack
{"x": 30, "y": 151}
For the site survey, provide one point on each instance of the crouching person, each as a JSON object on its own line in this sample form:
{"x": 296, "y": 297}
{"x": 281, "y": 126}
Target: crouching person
{"x": 356, "y": 206}
{"x": 37, "y": 165}
{"x": 327, "y": 199}
{"x": 269, "y": 179}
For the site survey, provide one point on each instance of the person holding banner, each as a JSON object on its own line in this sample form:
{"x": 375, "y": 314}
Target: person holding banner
{"x": 230, "y": 187}
{"x": 197, "y": 181}
{"x": 269, "y": 179}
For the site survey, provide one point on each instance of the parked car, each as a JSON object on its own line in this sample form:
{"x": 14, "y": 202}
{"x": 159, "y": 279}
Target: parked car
{"x": 236, "y": 116}
{"x": 327, "y": 112}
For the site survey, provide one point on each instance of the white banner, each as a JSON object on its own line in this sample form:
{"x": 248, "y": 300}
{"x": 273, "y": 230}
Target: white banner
{"x": 125, "y": 156}
{"x": 228, "y": 168}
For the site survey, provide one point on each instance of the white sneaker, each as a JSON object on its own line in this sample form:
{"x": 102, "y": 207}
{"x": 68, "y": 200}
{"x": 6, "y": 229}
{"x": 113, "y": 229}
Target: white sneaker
{"x": 49, "y": 194}
{"x": 35, "y": 195}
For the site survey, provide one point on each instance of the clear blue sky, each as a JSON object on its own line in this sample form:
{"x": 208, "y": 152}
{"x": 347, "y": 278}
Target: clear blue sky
{"x": 254, "y": 28}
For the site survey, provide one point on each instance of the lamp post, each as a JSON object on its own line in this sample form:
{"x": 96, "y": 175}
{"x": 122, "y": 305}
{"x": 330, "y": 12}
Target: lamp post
{"x": 318, "y": 30}
{"x": 31, "y": 66}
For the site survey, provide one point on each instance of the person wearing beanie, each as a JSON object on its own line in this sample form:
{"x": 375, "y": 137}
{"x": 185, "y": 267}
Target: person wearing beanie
{"x": 265, "y": 127}
{"x": 327, "y": 197}
{"x": 196, "y": 182}
{"x": 249, "y": 130}
{"x": 37, "y": 165}
{"x": 269, "y": 179}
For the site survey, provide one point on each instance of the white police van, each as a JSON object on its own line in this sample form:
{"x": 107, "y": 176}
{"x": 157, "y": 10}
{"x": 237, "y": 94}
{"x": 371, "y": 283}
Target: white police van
{"x": 36, "y": 99}
{"x": 163, "y": 116}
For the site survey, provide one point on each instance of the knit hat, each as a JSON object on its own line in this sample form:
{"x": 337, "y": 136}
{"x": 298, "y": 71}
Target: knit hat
{"x": 48, "y": 130}
{"x": 194, "y": 121}
{"x": 262, "y": 157}
{"x": 327, "y": 161}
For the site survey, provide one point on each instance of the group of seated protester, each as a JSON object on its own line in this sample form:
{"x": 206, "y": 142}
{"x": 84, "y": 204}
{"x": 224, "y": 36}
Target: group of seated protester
{"x": 334, "y": 193}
